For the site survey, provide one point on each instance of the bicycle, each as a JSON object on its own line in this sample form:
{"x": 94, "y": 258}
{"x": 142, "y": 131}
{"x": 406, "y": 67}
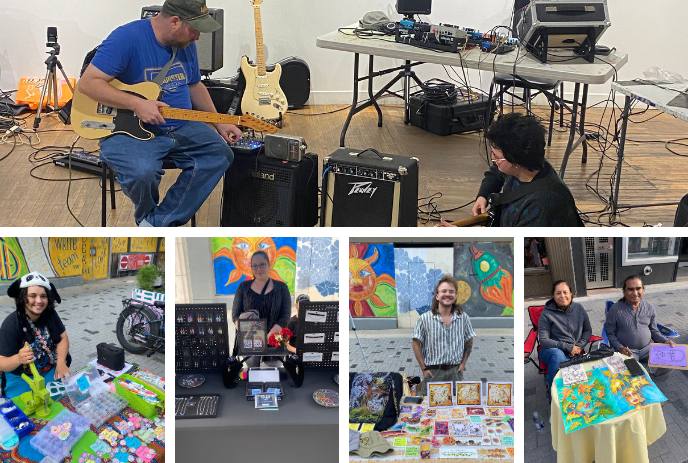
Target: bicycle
{"x": 141, "y": 326}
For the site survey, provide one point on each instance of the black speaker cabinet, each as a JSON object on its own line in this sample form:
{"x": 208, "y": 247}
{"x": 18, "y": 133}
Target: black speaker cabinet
{"x": 414, "y": 6}
{"x": 264, "y": 192}
{"x": 295, "y": 81}
{"x": 364, "y": 189}
{"x": 209, "y": 46}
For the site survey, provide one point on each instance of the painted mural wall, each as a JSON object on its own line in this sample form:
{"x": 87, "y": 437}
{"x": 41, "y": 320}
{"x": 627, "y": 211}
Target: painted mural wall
{"x": 372, "y": 288}
{"x": 307, "y": 265}
{"x": 485, "y": 274}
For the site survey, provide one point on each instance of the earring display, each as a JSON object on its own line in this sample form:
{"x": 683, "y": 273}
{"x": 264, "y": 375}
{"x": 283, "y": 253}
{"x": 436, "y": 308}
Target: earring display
{"x": 196, "y": 406}
{"x": 201, "y": 337}
{"x": 318, "y": 334}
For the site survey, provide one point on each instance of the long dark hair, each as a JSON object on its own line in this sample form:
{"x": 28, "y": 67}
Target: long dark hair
{"x": 632, "y": 277}
{"x": 46, "y": 317}
{"x": 259, "y": 253}
{"x": 436, "y": 304}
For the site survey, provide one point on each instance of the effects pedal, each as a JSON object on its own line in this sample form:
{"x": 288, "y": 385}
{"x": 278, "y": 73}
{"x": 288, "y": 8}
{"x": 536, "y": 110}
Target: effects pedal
{"x": 249, "y": 144}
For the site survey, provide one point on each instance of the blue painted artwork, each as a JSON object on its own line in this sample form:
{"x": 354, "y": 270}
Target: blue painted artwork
{"x": 415, "y": 281}
{"x": 317, "y": 264}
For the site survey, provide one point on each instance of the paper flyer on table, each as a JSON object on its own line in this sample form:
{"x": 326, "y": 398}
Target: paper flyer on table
{"x": 101, "y": 369}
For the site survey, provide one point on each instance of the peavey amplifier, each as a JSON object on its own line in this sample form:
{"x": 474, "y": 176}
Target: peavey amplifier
{"x": 364, "y": 188}
{"x": 264, "y": 192}
{"x": 575, "y": 24}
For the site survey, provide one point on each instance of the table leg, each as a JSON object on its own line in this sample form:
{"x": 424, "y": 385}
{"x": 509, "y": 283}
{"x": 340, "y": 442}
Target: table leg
{"x": 622, "y": 142}
{"x": 584, "y": 103}
{"x": 572, "y": 131}
{"x": 352, "y": 110}
{"x": 370, "y": 92}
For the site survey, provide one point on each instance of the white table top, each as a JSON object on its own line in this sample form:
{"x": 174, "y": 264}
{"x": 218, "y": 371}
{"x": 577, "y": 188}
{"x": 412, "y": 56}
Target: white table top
{"x": 572, "y": 70}
{"x": 668, "y": 99}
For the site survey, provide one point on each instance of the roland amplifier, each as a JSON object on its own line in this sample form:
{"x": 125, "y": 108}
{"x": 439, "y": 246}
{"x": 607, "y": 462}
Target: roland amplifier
{"x": 265, "y": 192}
{"x": 363, "y": 188}
{"x": 209, "y": 46}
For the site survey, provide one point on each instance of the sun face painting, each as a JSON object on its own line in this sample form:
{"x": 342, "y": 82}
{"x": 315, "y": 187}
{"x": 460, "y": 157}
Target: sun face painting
{"x": 371, "y": 290}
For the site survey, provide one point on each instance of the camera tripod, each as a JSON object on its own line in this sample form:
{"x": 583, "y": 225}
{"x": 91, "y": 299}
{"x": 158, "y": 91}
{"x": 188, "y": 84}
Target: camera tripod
{"x": 50, "y": 83}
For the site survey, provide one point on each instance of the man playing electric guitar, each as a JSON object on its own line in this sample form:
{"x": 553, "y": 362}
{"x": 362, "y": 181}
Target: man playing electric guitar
{"x": 532, "y": 194}
{"x": 137, "y": 52}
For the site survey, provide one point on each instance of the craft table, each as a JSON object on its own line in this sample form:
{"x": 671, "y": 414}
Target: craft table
{"x": 571, "y": 69}
{"x": 669, "y": 98}
{"x": 623, "y": 439}
{"x": 300, "y": 431}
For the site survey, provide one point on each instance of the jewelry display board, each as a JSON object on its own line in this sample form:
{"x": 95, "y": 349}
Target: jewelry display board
{"x": 318, "y": 334}
{"x": 196, "y": 406}
{"x": 201, "y": 337}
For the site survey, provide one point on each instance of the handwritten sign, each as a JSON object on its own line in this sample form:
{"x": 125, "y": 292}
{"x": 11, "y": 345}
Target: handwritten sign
{"x": 412, "y": 451}
{"x": 400, "y": 442}
{"x": 354, "y": 426}
{"x": 508, "y": 440}
{"x": 367, "y": 427}
{"x": 476, "y": 419}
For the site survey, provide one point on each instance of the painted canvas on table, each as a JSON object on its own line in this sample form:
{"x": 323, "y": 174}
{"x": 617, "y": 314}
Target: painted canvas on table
{"x": 604, "y": 396}
{"x": 440, "y": 394}
{"x": 485, "y": 275}
{"x": 499, "y": 394}
{"x": 232, "y": 261}
{"x": 372, "y": 291}
{"x": 469, "y": 393}
{"x": 369, "y": 395}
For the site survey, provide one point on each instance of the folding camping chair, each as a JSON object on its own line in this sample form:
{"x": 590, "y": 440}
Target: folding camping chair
{"x": 533, "y": 343}
{"x": 665, "y": 330}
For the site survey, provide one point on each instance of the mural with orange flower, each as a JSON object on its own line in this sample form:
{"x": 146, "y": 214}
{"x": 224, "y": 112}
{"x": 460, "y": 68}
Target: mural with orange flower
{"x": 232, "y": 260}
{"x": 487, "y": 270}
{"x": 372, "y": 291}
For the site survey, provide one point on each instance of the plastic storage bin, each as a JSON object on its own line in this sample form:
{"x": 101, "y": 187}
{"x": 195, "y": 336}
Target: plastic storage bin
{"x": 147, "y": 409}
{"x": 15, "y": 417}
{"x": 91, "y": 397}
{"x": 58, "y": 437}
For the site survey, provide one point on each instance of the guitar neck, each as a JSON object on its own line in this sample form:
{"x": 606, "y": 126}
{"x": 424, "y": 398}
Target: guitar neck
{"x": 260, "y": 52}
{"x": 471, "y": 221}
{"x": 192, "y": 115}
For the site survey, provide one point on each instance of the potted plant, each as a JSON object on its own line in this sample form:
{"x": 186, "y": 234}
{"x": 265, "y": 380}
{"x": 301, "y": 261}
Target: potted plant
{"x": 150, "y": 281}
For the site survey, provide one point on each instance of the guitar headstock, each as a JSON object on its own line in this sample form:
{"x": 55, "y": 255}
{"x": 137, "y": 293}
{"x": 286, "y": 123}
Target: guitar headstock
{"x": 256, "y": 2}
{"x": 259, "y": 125}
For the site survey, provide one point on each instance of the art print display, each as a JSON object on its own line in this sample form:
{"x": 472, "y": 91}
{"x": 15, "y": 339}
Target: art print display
{"x": 459, "y": 429}
{"x": 478, "y": 411}
{"x": 370, "y": 393}
{"x": 668, "y": 356}
{"x": 440, "y": 394}
{"x": 573, "y": 374}
{"x": 252, "y": 336}
{"x": 615, "y": 363}
{"x": 604, "y": 396}
{"x": 499, "y": 394}
{"x": 469, "y": 393}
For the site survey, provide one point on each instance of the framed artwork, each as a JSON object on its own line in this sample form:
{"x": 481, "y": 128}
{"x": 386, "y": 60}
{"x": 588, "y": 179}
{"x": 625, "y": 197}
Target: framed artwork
{"x": 469, "y": 393}
{"x": 252, "y": 336}
{"x": 440, "y": 394}
{"x": 499, "y": 394}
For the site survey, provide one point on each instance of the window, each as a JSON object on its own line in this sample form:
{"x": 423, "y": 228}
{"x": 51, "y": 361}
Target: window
{"x": 535, "y": 255}
{"x": 645, "y": 250}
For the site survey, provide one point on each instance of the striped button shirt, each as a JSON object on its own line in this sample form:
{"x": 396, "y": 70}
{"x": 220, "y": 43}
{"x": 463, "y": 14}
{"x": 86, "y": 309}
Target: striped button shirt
{"x": 442, "y": 344}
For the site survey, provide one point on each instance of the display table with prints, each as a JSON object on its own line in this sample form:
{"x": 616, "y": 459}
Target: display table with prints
{"x": 448, "y": 434}
{"x": 604, "y": 418}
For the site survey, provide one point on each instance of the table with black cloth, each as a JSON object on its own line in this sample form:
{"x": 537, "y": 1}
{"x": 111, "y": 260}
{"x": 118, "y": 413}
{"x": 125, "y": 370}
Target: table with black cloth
{"x": 300, "y": 431}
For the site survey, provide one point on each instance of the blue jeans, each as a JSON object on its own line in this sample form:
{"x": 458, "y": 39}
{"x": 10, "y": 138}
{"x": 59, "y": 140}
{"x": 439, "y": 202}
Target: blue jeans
{"x": 200, "y": 152}
{"x": 552, "y": 358}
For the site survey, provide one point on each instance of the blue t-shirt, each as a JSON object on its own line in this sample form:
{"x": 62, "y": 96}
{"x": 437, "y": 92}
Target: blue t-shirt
{"x": 132, "y": 54}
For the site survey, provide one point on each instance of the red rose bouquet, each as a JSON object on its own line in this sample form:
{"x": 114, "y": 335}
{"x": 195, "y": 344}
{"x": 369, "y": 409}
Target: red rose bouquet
{"x": 280, "y": 339}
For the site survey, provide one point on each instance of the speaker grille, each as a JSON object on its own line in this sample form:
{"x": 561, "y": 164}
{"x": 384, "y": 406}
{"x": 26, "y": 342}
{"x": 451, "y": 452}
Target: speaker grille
{"x": 359, "y": 209}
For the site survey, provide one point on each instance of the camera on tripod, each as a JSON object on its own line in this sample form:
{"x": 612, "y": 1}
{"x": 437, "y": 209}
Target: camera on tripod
{"x": 52, "y": 40}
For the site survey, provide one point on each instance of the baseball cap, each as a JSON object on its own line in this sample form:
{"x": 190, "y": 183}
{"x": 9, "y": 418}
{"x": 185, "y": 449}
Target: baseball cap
{"x": 302, "y": 297}
{"x": 195, "y": 12}
{"x": 372, "y": 442}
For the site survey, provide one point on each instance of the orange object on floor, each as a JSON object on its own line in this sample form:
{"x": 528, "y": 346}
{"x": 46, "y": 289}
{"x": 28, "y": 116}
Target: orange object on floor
{"x": 30, "y": 88}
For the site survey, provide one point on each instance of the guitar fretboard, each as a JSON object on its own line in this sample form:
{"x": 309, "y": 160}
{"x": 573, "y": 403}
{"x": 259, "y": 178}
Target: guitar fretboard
{"x": 260, "y": 53}
{"x": 192, "y": 115}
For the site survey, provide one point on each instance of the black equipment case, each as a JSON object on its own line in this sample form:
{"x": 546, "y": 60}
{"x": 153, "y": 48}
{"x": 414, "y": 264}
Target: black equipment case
{"x": 110, "y": 356}
{"x": 446, "y": 119}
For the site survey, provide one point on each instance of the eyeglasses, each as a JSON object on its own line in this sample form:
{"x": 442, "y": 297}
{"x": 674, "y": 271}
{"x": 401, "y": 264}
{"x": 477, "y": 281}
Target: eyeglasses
{"x": 259, "y": 266}
{"x": 497, "y": 161}
{"x": 451, "y": 293}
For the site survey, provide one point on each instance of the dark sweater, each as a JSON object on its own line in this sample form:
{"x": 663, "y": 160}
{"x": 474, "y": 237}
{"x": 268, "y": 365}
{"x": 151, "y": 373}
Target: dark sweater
{"x": 564, "y": 329}
{"x": 281, "y": 303}
{"x": 548, "y": 207}
{"x": 628, "y": 328}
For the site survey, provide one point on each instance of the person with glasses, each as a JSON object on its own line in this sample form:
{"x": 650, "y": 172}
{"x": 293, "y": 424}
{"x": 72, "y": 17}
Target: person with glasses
{"x": 563, "y": 329}
{"x": 518, "y": 159}
{"x": 443, "y": 337}
{"x": 262, "y": 298}
{"x": 632, "y": 327}
{"x": 33, "y": 333}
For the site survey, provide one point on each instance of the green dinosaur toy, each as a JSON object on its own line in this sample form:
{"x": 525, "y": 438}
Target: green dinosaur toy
{"x": 38, "y": 399}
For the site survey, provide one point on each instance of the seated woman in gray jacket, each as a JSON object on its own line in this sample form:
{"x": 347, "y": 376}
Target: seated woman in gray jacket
{"x": 563, "y": 330}
{"x": 262, "y": 298}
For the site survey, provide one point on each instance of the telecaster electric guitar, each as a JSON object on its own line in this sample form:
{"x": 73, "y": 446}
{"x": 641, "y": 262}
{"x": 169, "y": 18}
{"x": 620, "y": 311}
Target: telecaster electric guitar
{"x": 92, "y": 120}
{"x": 263, "y": 96}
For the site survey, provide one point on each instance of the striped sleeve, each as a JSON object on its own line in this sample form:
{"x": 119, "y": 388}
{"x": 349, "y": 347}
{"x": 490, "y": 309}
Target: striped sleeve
{"x": 468, "y": 332}
{"x": 419, "y": 331}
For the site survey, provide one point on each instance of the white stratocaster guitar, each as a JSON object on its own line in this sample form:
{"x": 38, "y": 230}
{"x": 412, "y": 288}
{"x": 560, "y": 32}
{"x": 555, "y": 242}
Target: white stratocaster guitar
{"x": 263, "y": 97}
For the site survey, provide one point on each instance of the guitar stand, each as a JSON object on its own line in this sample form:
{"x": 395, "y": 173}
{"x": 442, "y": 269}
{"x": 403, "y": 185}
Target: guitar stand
{"x": 50, "y": 84}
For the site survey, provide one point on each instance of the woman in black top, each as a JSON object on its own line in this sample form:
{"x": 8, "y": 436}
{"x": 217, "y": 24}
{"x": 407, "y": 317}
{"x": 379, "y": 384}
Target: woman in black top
{"x": 276, "y": 302}
{"x": 35, "y": 324}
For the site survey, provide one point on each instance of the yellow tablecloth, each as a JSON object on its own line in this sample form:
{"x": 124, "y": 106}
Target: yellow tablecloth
{"x": 623, "y": 439}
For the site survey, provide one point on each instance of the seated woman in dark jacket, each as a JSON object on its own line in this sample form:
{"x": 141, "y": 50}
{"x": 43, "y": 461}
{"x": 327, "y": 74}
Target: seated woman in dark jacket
{"x": 563, "y": 330}
{"x": 276, "y": 301}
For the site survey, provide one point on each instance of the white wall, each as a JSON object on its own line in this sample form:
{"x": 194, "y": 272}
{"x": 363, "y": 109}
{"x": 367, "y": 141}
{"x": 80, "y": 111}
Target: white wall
{"x": 648, "y": 31}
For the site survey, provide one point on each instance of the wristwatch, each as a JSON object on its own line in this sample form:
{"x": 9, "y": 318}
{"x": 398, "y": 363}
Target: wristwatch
{"x": 426, "y": 369}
